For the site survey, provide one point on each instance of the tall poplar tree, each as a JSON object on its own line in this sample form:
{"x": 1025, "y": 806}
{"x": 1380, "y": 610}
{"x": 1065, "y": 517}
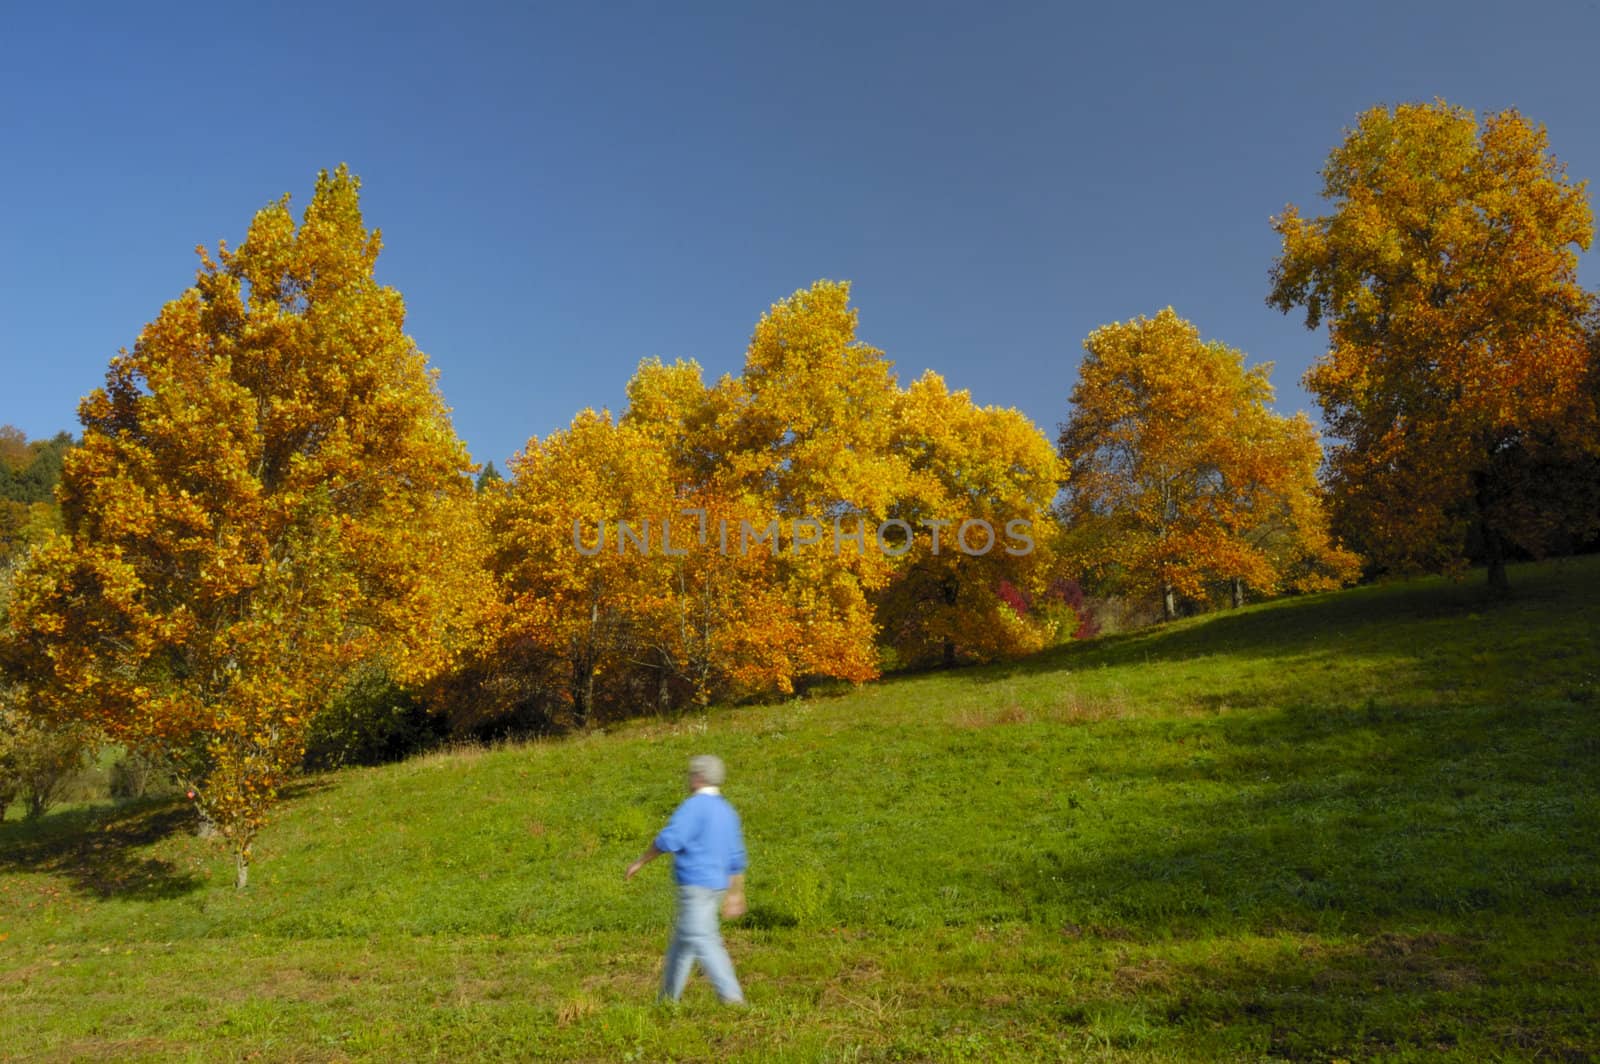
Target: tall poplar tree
{"x": 268, "y": 490}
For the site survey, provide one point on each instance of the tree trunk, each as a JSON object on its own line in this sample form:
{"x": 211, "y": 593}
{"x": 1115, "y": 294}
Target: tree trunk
{"x": 1169, "y": 602}
{"x": 241, "y": 861}
{"x": 950, "y": 591}
{"x": 1494, "y": 548}
{"x": 583, "y": 690}
{"x": 1238, "y": 592}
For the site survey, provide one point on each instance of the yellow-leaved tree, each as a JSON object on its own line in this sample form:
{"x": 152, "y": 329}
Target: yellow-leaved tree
{"x": 268, "y": 492}
{"x": 977, "y": 494}
{"x": 575, "y": 588}
{"x": 803, "y": 435}
{"x": 775, "y": 485}
{"x": 723, "y": 624}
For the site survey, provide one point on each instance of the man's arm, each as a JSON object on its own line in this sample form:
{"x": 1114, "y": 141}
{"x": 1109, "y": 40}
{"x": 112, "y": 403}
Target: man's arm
{"x": 668, "y": 840}
{"x": 644, "y": 858}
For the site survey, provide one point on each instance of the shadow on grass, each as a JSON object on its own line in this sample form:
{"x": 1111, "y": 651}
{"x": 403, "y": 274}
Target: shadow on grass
{"x": 305, "y": 786}
{"x": 1290, "y": 627}
{"x": 1352, "y": 819}
{"x": 768, "y": 918}
{"x": 1375, "y": 621}
{"x": 96, "y": 849}
{"x": 1391, "y": 994}
{"x": 1425, "y": 881}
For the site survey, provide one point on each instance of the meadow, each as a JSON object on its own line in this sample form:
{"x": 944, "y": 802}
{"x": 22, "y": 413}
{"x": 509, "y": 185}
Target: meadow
{"x": 1357, "y": 825}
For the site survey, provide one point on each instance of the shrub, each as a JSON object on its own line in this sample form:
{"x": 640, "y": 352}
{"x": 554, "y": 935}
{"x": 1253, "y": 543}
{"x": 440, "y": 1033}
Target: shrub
{"x": 372, "y": 721}
{"x": 37, "y": 761}
{"x": 133, "y": 775}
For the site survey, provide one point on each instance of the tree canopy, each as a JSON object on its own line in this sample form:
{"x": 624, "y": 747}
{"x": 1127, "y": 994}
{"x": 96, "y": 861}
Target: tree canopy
{"x": 1182, "y": 477}
{"x": 1446, "y": 272}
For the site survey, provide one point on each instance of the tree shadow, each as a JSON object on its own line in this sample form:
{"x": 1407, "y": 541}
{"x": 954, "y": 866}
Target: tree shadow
{"x": 1290, "y": 627}
{"x": 305, "y": 786}
{"x": 768, "y": 918}
{"x": 1406, "y": 866}
{"x": 1397, "y": 993}
{"x": 96, "y": 850}
{"x": 1375, "y": 816}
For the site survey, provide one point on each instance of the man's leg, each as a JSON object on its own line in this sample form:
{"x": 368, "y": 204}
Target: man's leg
{"x": 680, "y": 955}
{"x": 710, "y": 951}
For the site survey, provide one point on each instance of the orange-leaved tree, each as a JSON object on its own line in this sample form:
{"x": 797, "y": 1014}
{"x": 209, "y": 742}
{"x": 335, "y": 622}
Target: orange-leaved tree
{"x": 732, "y": 605}
{"x": 1182, "y": 478}
{"x": 1272, "y": 474}
{"x": 775, "y": 484}
{"x": 1446, "y": 273}
{"x": 267, "y": 493}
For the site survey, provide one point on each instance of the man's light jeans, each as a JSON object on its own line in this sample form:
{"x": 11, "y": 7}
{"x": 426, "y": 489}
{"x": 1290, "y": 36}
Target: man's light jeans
{"x": 697, "y": 936}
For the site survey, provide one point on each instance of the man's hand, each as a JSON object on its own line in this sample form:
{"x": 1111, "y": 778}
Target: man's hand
{"x": 644, "y": 858}
{"x": 733, "y": 903}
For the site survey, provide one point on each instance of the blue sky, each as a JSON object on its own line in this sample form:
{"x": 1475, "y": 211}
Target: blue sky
{"x": 566, "y": 190}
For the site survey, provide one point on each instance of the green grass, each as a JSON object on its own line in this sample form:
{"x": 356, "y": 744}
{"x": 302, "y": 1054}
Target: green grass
{"x": 1361, "y": 825}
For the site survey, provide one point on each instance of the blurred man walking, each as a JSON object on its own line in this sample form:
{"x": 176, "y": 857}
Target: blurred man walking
{"x": 708, "y": 865}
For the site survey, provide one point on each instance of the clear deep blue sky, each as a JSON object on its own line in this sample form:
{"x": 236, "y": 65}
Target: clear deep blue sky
{"x": 564, "y": 191}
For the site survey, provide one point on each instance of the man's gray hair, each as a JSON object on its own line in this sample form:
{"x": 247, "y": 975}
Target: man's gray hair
{"x": 709, "y": 768}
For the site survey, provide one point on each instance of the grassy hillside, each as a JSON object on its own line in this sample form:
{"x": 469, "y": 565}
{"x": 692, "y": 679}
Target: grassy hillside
{"x": 1355, "y": 825}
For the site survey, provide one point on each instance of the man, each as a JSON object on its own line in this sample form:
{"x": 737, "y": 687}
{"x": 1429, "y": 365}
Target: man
{"x": 708, "y": 864}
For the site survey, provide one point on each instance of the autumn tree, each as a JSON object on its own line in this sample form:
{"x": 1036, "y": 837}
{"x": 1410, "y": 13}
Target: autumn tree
{"x": 1275, "y": 463}
{"x": 806, "y": 430}
{"x": 38, "y": 757}
{"x": 1181, "y": 475}
{"x": 976, "y": 495}
{"x": 575, "y": 580}
{"x": 724, "y": 624}
{"x": 265, "y": 495}
{"x": 744, "y": 473}
{"x": 1446, "y": 272}
{"x": 723, "y": 540}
